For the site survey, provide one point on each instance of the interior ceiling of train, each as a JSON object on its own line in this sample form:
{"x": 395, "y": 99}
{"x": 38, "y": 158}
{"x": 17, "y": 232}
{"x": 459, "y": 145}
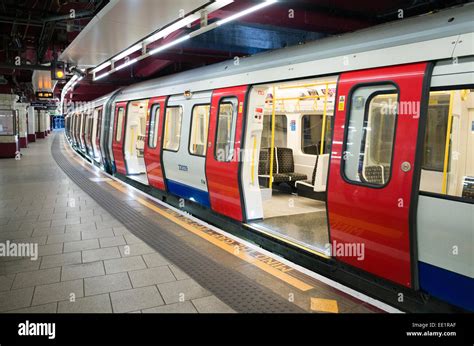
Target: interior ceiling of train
{"x": 34, "y": 33}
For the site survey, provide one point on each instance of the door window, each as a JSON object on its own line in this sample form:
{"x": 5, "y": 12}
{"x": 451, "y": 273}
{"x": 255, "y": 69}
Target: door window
{"x": 119, "y": 126}
{"x": 199, "y": 128}
{"x": 173, "y": 120}
{"x": 154, "y": 122}
{"x": 367, "y": 158}
{"x": 226, "y": 123}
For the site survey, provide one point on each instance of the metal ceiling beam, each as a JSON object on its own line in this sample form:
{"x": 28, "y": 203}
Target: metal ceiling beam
{"x": 78, "y": 15}
{"x": 25, "y": 67}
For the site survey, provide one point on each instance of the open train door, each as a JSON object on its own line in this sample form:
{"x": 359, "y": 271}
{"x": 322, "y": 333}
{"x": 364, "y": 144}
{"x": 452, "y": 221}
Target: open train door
{"x": 118, "y": 138}
{"x": 223, "y": 151}
{"x": 374, "y": 169}
{"x": 153, "y": 146}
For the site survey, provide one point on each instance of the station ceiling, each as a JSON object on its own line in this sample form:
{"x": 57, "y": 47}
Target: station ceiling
{"x": 37, "y": 31}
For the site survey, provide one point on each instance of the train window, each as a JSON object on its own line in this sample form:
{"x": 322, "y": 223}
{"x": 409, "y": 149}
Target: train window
{"x": 173, "y": 120}
{"x": 435, "y": 132}
{"x": 448, "y": 154}
{"x": 83, "y": 128}
{"x": 370, "y": 135}
{"x": 226, "y": 124}
{"x": 90, "y": 127}
{"x": 311, "y": 132}
{"x": 119, "y": 125}
{"x": 99, "y": 124}
{"x": 281, "y": 131}
{"x": 199, "y": 128}
{"x": 154, "y": 122}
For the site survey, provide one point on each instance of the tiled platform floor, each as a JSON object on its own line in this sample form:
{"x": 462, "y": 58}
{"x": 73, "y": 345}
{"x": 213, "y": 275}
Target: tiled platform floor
{"x": 88, "y": 261}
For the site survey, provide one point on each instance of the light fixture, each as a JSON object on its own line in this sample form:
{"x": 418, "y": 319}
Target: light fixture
{"x": 102, "y": 66}
{"x": 128, "y": 63}
{"x": 214, "y": 6}
{"x": 188, "y": 94}
{"x": 185, "y": 21}
{"x": 168, "y": 45}
{"x": 245, "y": 12}
{"x": 172, "y": 28}
{"x": 127, "y": 52}
{"x": 102, "y": 76}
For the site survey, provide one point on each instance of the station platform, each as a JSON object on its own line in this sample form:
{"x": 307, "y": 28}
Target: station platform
{"x": 105, "y": 247}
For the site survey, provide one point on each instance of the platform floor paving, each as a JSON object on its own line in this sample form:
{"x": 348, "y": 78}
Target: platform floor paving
{"x": 90, "y": 262}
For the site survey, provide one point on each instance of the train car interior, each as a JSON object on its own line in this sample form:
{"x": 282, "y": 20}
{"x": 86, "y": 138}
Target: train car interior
{"x": 134, "y": 145}
{"x": 445, "y": 213}
{"x": 448, "y": 167}
{"x": 294, "y": 159}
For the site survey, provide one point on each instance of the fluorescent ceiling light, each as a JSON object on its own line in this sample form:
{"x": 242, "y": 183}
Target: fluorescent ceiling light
{"x": 101, "y": 67}
{"x": 245, "y": 12}
{"x": 128, "y": 63}
{"x": 185, "y": 21}
{"x": 127, "y": 52}
{"x": 172, "y": 28}
{"x": 168, "y": 45}
{"x": 102, "y": 76}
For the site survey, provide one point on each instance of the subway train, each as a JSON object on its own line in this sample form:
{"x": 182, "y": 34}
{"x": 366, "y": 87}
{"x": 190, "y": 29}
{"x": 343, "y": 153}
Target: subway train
{"x": 352, "y": 155}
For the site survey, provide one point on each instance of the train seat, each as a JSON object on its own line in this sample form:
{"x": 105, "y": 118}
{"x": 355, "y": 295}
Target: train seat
{"x": 304, "y": 184}
{"x": 286, "y": 165}
{"x": 283, "y": 167}
{"x": 376, "y": 174}
{"x": 264, "y": 169}
{"x": 306, "y": 188}
{"x": 468, "y": 187}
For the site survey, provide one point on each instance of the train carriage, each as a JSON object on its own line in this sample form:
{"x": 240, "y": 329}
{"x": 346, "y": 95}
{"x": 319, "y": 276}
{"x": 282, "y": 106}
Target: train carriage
{"x": 357, "y": 150}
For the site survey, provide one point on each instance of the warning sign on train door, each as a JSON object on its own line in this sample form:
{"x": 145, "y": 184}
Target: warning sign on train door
{"x": 342, "y": 103}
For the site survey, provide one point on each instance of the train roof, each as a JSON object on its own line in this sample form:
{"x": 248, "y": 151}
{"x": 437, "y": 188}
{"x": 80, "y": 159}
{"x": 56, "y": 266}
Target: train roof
{"x": 393, "y": 43}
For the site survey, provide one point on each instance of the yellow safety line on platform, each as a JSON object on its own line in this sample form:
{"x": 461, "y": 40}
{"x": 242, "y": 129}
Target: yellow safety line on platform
{"x": 219, "y": 243}
{"x": 229, "y": 248}
{"x": 324, "y": 305}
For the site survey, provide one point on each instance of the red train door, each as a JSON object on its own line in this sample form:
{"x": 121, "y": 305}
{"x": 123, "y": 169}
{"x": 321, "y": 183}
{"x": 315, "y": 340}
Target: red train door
{"x": 119, "y": 133}
{"x": 223, "y": 152}
{"x": 373, "y": 170}
{"x": 154, "y": 134}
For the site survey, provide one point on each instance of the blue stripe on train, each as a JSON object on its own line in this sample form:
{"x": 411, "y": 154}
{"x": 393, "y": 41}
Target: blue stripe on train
{"x": 188, "y": 192}
{"x": 446, "y": 285}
